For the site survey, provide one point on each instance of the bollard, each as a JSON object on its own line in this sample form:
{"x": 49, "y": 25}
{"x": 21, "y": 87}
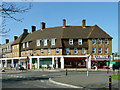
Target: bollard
{"x": 66, "y": 71}
{"x": 110, "y": 82}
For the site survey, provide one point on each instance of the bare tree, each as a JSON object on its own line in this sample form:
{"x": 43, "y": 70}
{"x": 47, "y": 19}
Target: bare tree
{"x": 9, "y": 10}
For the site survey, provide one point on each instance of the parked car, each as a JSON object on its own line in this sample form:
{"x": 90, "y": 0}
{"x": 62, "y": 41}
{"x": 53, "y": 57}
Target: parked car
{"x": 115, "y": 66}
{"x": 20, "y": 67}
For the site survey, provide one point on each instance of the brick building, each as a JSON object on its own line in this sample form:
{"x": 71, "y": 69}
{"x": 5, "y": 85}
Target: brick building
{"x": 63, "y": 46}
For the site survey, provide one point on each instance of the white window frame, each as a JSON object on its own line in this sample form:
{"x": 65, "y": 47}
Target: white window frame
{"x": 53, "y": 41}
{"x": 105, "y": 50}
{"x": 99, "y": 51}
{"x": 79, "y": 41}
{"x": 17, "y": 46}
{"x": 23, "y": 45}
{"x": 94, "y": 41}
{"x": 105, "y": 41}
{"x": 25, "y": 52}
{"x": 94, "y": 50}
{"x": 83, "y": 51}
{"x": 75, "y": 51}
{"x": 45, "y": 42}
{"x": 100, "y": 40}
{"x": 71, "y": 41}
{"x": 13, "y": 53}
{"x": 49, "y": 50}
{"x": 17, "y": 54}
{"x": 34, "y": 51}
{"x": 27, "y": 44}
{"x": 28, "y": 52}
{"x": 57, "y": 50}
{"x": 67, "y": 51}
{"x": 38, "y": 42}
{"x": 42, "y": 51}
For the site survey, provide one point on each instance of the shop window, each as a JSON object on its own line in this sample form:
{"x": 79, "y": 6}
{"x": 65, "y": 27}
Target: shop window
{"x": 83, "y": 50}
{"x": 81, "y": 63}
{"x": 75, "y": 51}
{"x": 106, "y": 50}
{"x": 99, "y": 41}
{"x": 67, "y": 50}
{"x": 42, "y": 51}
{"x": 93, "y": 41}
{"x": 93, "y": 50}
{"x": 68, "y": 62}
{"x": 71, "y": 41}
{"x": 100, "y": 50}
{"x": 57, "y": 50}
{"x": 79, "y": 41}
{"x": 106, "y": 41}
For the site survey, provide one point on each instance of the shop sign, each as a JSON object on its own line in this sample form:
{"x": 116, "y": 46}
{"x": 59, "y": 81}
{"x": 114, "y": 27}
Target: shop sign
{"x": 100, "y": 56}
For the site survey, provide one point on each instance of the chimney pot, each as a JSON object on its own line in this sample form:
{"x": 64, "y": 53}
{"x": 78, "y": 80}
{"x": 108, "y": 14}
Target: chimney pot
{"x": 83, "y": 23}
{"x": 25, "y": 30}
{"x": 64, "y": 23}
{"x": 42, "y": 25}
{"x": 15, "y": 37}
{"x": 6, "y": 41}
{"x": 33, "y": 28}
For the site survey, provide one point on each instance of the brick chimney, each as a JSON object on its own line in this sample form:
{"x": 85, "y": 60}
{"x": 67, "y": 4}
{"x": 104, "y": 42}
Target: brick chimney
{"x": 15, "y": 37}
{"x": 42, "y": 25}
{"x": 6, "y": 41}
{"x": 83, "y": 23}
{"x": 33, "y": 28}
{"x": 64, "y": 23}
{"x": 25, "y": 30}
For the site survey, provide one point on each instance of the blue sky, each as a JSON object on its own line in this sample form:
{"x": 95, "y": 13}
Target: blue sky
{"x": 104, "y": 14}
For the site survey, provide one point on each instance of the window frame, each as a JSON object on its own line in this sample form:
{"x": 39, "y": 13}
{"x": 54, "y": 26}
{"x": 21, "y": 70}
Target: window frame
{"x": 53, "y": 41}
{"x": 70, "y": 42}
{"x": 79, "y": 41}
{"x": 99, "y": 41}
{"x": 94, "y": 50}
{"x": 38, "y": 42}
{"x": 27, "y": 44}
{"x": 34, "y": 51}
{"x": 67, "y": 50}
{"x": 49, "y": 51}
{"x": 105, "y": 50}
{"x": 99, "y": 51}
{"x": 105, "y": 41}
{"x": 94, "y": 41}
{"x": 42, "y": 51}
{"x": 45, "y": 42}
{"x": 23, "y": 45}
{"x": 75, "y": 50}
{"x": 57, "y": 50}
{"x": 84, "y": 51}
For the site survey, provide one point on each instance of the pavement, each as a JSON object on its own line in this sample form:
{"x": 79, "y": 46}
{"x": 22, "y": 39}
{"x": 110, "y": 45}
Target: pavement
{"x": 81, "y": 80}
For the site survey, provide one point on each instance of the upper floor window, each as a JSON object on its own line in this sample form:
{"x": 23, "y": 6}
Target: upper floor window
{"x": 57, "y": 50}
{"x": 79, "y": 41}
{"x": 25, "y": 53}
{"x": 38, "y": 42}
{"x": 106, "y": 50}
{"x": 45, "y": 42}
{"x": 53, "y": 41}
{"x": 93, "y": 41}
{"x": 13, "y": 53}
{"x": 75, "y": 50}
{"x": 17, "y": 46}
{"x": 13, "y": 47}
{"x": 17, "y": 54}
{"x": 106, "y": 41}
{"x": 42, "y": 51}
{"x": 99, "y": 41}
{"x": 93, "y": 50}
{"x": 83, "y": 50}
{"x": 34, "y": 51}
{"x": 23, "y": 45}
{"x": 70, "y": 41}
{"x": 100, "y": 50}
{"x": 49, "y": 51}
{"x": 27, "y": 44}
{"x": 28, "y": 52}
{"x": 67, "y": 50}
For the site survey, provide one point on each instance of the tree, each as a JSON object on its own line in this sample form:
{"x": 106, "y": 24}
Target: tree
{"x": 9, "y": 10}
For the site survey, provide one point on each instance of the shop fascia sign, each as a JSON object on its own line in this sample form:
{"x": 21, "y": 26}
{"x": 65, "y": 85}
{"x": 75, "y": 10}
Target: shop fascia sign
{"x": 100, "y": 56}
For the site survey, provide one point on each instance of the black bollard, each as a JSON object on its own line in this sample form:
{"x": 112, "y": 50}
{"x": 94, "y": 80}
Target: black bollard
{"x": 66, "y": 71}
{"x": 110, "y": 82}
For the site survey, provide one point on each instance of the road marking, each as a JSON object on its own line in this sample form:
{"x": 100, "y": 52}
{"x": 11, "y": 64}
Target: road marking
{"x": 44, "y": 75}
{"x": 42, "y": 80}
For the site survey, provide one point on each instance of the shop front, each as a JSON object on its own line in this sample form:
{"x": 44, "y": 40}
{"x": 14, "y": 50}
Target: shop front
{"x": 75, "y": 62}
{"x": 45, "y": 62}
{"x": 101, "y": 61}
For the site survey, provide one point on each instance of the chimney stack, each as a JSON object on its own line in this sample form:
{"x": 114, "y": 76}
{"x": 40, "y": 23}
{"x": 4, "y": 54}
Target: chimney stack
{"x": 6, "y": 41}
{"x": 42, "y": 25}
{"x": 25, "y": 30}
{"x": 64, "y": 23}
{"x": 83, "y": 23}
{"x": 33, "y": 28}
{"x": 15, "y": 37}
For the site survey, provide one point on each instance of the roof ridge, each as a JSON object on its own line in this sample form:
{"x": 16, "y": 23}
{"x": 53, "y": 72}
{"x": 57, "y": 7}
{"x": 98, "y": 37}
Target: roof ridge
{"x": 91, "y": 31}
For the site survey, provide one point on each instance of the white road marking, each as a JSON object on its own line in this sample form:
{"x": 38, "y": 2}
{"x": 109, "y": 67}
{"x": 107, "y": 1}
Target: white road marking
{"x": 43, "y": 75}
{"x": 42, "y": 80}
